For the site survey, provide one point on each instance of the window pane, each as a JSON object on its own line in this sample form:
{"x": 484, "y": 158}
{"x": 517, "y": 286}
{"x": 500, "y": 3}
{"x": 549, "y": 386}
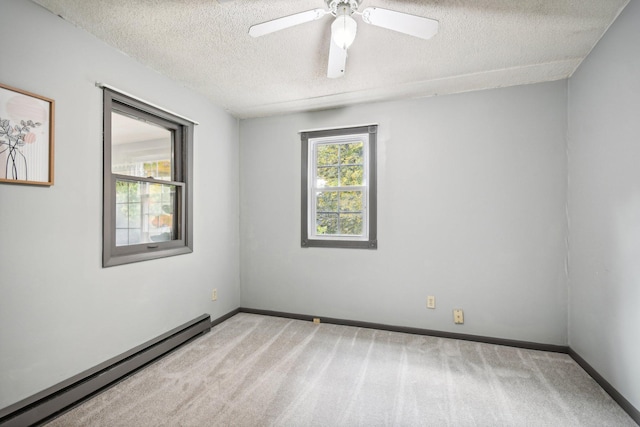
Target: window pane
{"x": 135, "y": 215}
{"x": 351, "y": 201}
{"x": 158, "y": 169}
{"x": 127, "y": 192}
{"x": 351, "y": 224}
{"x": 122, "y": 192}
{"x": 145, "y": 212}
{"x": 122, "y": 215}
{"x": 327, "y": 176}
{"x": 327, "y": 154}
{"x": 134, "y": 191}
{"x": 351, "y": 175}
{"x": 327, "y": 201}
{"x": 352, "y": 154}
{"x": 122, "y": 237}
{"x": 327, "y": 224}
{"x": 135, "y": 236}
{"x": 140, "y": 148}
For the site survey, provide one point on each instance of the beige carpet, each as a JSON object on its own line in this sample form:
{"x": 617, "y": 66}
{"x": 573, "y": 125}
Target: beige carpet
{"x": 266, "y": 371}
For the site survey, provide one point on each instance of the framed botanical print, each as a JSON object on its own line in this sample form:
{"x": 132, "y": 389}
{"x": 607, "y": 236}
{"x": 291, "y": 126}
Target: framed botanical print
{"x": 26, "y": 137}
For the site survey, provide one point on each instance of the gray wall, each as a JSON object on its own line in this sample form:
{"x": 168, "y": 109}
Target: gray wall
{"x": 60, "y": 312}
{"x": 471, "y": 206}
{"x": 604, "y": 206}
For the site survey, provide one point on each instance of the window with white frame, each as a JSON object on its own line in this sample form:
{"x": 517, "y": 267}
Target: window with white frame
{"x": 339, "y": 198}
{"x": 147, "y": 176}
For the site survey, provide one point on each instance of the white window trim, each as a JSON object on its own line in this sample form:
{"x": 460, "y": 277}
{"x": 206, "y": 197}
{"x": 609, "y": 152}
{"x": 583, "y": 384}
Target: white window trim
{"x": 310, "y": 139}
{"x": 313, "y": 189}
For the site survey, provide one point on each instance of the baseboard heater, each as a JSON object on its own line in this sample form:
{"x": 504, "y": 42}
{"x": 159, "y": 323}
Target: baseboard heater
{"x": 53, "y": 401}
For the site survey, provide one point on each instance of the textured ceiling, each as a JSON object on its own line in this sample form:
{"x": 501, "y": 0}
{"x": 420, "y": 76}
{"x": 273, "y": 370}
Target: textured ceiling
{"x": 480, "y": 44}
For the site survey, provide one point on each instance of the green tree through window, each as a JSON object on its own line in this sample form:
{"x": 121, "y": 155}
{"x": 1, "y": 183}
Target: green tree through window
{"x": 339, "y": 188}
{"x": 340, "y": 211}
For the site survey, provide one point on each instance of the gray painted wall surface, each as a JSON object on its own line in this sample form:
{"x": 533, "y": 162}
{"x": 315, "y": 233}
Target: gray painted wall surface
{"x": 60, "y": 312}
{"x": 604, "y": 206}
{"x": 471, "y": 209}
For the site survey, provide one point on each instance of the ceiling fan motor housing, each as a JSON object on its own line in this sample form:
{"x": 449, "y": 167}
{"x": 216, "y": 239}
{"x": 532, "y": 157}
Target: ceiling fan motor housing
{"x": 335, "y": 5}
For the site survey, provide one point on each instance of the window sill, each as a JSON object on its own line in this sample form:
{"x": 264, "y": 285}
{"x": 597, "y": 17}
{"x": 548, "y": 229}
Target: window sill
{"x": 145, "y": 256}
{"x": 345, "y": 244}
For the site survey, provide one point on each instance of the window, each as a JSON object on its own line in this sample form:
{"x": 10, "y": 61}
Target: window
{"x": 147, "y": 182}
{"x": 339, "y": 188}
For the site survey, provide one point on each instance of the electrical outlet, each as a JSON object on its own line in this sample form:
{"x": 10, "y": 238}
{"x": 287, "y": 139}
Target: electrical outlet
{"x": 214, "y": 295}
{"x": 458, "y": 316}
{"x": 431, "y": 301}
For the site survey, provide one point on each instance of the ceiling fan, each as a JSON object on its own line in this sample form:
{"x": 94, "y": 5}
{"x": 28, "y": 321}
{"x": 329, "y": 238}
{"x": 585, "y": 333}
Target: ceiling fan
{"x": 344, "y": 27}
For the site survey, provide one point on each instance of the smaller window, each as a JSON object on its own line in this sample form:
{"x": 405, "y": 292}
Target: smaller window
{"x": 339, "y": 188}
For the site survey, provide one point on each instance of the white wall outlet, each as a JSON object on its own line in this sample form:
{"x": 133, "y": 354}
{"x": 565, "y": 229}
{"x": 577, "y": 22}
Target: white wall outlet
{"x": 214, "y": 295}
{"x": 458, "y": 316}
{"x": 431, "y": 301}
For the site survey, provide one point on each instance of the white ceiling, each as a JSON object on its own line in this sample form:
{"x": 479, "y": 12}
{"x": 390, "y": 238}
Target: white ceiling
{"x": 481, "y": 44}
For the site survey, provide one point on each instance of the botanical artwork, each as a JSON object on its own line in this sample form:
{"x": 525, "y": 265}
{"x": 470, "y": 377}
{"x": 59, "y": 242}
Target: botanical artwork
{"x": 26, "y": 137}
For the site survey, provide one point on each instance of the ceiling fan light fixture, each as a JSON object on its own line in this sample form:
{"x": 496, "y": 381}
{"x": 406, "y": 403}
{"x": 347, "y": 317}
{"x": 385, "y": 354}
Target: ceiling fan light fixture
{"x": 343, "y": 29}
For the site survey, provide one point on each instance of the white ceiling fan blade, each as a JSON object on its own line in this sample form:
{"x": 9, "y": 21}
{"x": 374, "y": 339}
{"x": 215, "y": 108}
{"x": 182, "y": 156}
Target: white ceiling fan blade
{"x": 337, "y": 61}
{"x": 286, "y": 22}
{"x": 412, "y": 25}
